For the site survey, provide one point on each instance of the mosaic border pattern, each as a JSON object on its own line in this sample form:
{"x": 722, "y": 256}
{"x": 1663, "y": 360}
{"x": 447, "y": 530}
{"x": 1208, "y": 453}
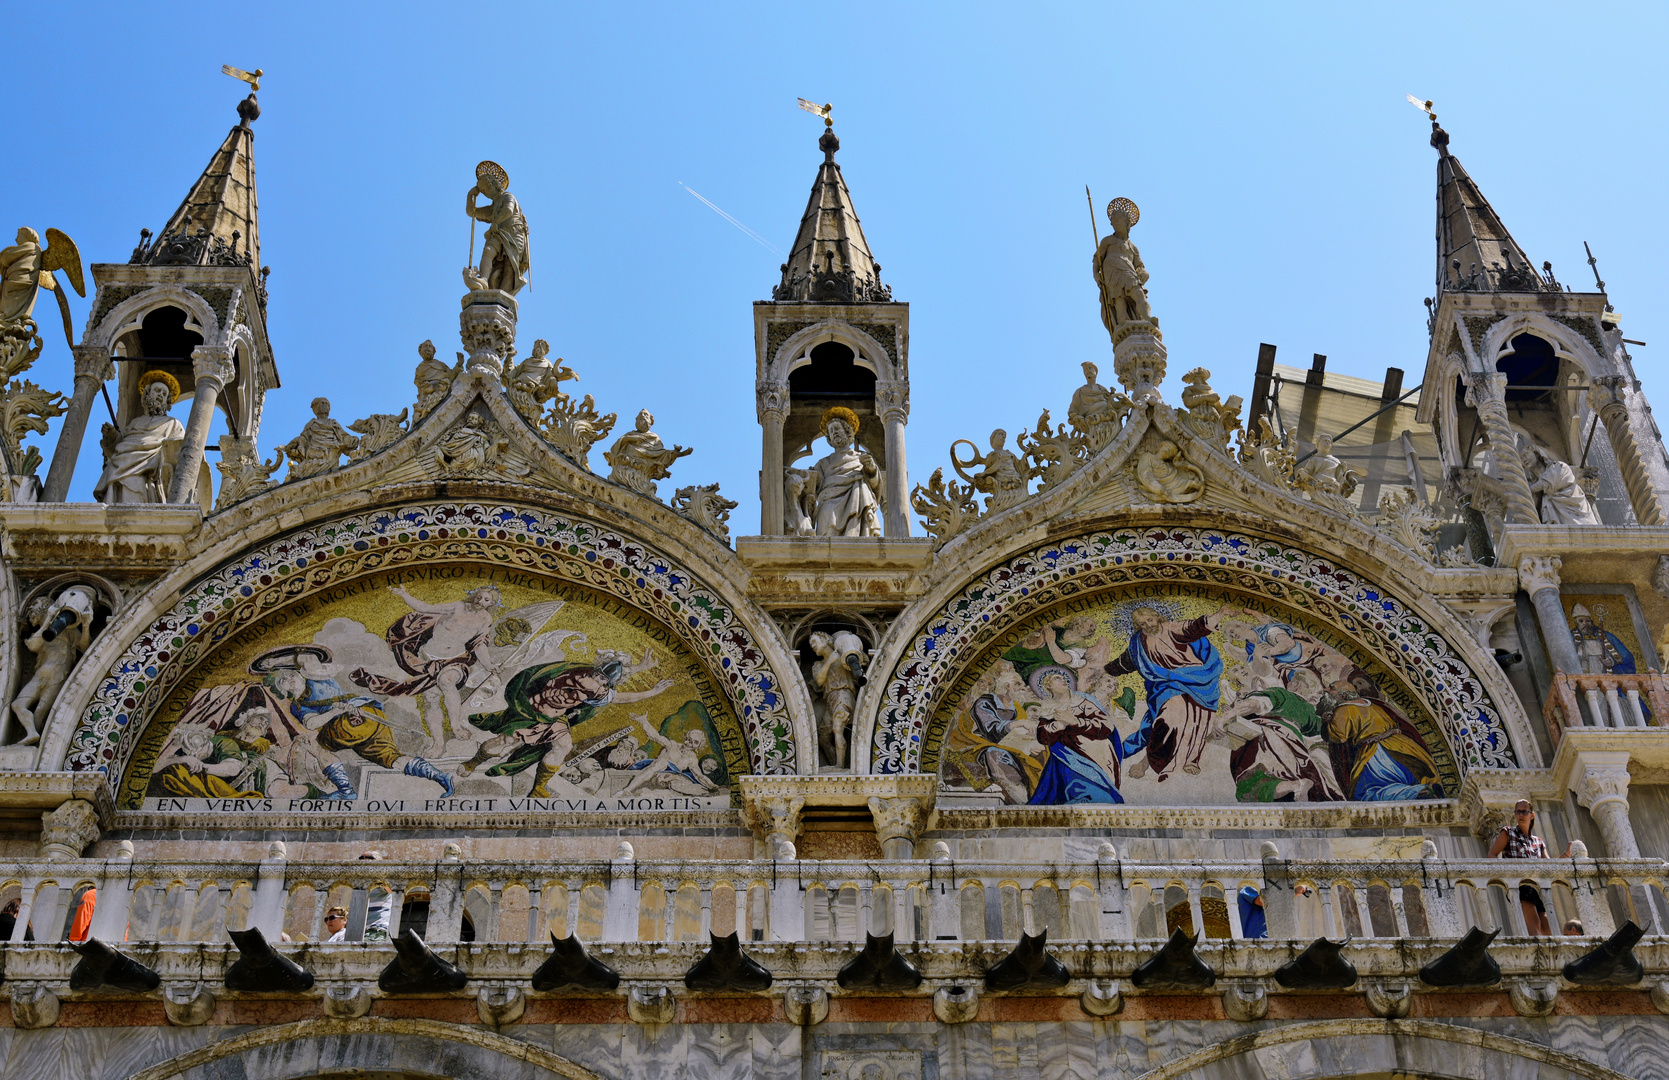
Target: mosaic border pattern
{"x": 1383, "y": 624}
{"x": 298, "y": 565}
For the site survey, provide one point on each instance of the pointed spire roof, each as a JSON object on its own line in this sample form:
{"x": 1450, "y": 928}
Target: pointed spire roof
{"x": 831, "y": 262}
{"x": 1475, "y": 252}
{"x": 218, "y": 222}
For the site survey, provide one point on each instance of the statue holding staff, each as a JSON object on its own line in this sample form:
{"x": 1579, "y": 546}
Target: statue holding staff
{"x": 504, "y": 262}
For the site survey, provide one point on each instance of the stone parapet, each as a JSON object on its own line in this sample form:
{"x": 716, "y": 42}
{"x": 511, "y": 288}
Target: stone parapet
{"x": 97, "y": 538}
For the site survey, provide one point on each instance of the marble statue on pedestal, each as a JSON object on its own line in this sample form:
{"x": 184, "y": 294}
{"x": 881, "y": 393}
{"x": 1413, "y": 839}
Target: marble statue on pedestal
{"x": 63, "y": 630}
{"x": 433, "y": 379}
{"x": 1119, "y": 271}
{"x": 639, "y": 458}
{"x": 1096, "y": 411}
{"x": 839, "y": 495}
{"x": 139, "y": 460}
{"x": 504, "y": 260}
{"x": 321, "y": 444}
{"x": 1167, "y": 476}
{"x": 837, "y": 673}
{"x": 1563, "y": 502}
{"x": 1002, "y": 476}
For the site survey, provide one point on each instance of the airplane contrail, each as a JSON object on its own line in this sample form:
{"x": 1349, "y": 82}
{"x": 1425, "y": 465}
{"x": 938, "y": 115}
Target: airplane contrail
{"x": 766, "y": 244}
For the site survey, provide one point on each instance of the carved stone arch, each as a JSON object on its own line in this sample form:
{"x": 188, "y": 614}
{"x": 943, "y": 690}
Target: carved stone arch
{"x": 327, "y": 1047}
{"x": 170, "y": 629}
{"x": 1446, "y": 415}
{"x": 867, "y": 352}
{"x": 1368, "y": 1049}
{"x": 1421, "y": 645}
{"x": 1568, "y": 344}
{"x": 129, "y": 313}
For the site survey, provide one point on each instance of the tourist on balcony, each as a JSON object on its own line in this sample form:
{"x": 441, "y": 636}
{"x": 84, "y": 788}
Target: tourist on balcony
{"x": 1517, "y": 841}
{"x": 336, "y": 924}
{"x": 1253, "y": 921}
{"x": 1573, "y": 928}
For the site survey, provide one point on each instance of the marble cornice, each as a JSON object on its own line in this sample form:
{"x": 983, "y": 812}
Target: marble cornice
{"x": 1517, "y": 541}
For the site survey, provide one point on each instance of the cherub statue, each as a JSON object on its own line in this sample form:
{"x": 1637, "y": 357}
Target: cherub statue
{"x": 536, "y": 380}
{"x": 840, "y": 490}
{"x": 1096, "y": 411}
{"x": 837, "y": 673}
{"x": 640, "y": 458}
{"x": 1168, "y": 477}
{"x": 63, "y": 630}
{"x": 433, "y": 378}
{"x": 1119, "y": 271}
{"x": 504, "y": 260}
{"x": 139, "y": 461}
{"x": 1002, "y": 475}
{"x": 321, "y": 444}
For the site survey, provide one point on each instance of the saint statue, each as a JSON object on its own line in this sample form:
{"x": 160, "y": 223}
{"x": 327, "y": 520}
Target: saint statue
{"x": 1168, "y": 477}
{"x": 640, "y": 458}
{"x": 321, "y": 444}
{"x": 536, "y": 380}
{"x": 1119, "y": 271}
{"x": 837, "y": 673}
{"x": 139, "y": 462}
{"x": 433, "y": 378}
{"x": 504, "y": 262}
{"x": 1002, "y": 476}
{"x": 840, "y": 490}
{"x": 1563, "y": 502}
{"x": 1324, "y": 476}
{"x": 1096, "y": 411}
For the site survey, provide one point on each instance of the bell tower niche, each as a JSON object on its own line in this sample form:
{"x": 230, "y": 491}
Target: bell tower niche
{"x": 832, "y": 351}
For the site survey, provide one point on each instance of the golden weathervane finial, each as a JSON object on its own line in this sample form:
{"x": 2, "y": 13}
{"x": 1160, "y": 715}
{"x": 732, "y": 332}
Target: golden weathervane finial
{"x": 253, "y": 79}
{"x": 1423, "y": 106}
{"x": 818, "y": 110}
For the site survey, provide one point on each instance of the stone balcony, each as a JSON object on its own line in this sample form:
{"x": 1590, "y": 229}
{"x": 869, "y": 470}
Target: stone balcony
{"x": 1611, "y": 713}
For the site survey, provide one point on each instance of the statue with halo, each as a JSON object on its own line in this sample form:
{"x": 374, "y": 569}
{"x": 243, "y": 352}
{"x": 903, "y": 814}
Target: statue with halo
{"x": 504, "y": 261}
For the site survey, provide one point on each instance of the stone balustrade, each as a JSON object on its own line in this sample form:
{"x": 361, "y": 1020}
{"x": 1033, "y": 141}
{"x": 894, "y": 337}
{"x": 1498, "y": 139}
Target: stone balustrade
{"x": 813, "y": 901}
{"x": 1615, "y": 702}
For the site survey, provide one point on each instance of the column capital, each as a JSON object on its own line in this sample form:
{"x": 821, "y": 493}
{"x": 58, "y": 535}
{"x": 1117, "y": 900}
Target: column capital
{"x": 93, "y": 363}
{"x": 899, "y": 817}
{"x": 892, "y": 400}
{"x": 771, "y": 400}
{"x": 213, "y": 364}
{"x": 1485, "y": 386}
{"x": 1488, "y": 809}
{"x": 1600, "y": 777}
{"x": 1609, "y": 393}
{"x": 1538, "y": 572}
{"x": 66, "y": 831}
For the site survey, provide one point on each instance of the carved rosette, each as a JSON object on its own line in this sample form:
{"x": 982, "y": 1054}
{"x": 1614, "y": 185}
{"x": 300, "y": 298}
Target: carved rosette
{"x": 487, "y": 327}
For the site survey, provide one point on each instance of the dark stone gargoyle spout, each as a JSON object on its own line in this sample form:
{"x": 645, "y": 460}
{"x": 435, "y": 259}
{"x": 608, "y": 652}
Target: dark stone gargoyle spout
{"x": 879, "y": 967}
{"x": 260, "y": 969}
{"x": 1612, "y": 962}
{"x": 727, "y": 967}
{"x": 1175, "y": 967}
{"x": 102, "y": 966}
{"x": 570, "y": 966}
{"x": 1467, "y": 964}
{"x": 1322, "y": 966}
{"x": 1029, "y": 966}
{"x": 415, "y": 969}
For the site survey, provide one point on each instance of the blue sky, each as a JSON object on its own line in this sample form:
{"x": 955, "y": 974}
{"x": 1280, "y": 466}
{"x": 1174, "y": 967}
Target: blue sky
{"x": 1286, "y": 186}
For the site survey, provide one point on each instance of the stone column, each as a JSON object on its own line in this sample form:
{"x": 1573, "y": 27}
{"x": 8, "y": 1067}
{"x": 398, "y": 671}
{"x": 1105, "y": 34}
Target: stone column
{"x": 66, "y": 831}
{"x": 772, "y": 402}
{"x": 93, "y": 368}
{"x": 1601, "y": 782}
{"x": 892, "y": 402}
{"x": 1609, "y": 397}
{"x": 1538, "y": 575}
{"x": 213, "y": 370}
{"x": 899, "y": 820}
{"x": 777, "y": 823}
{"x": 1486, "y": 391}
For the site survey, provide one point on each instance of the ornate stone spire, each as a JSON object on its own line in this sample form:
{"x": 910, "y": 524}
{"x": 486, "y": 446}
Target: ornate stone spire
{"x": 831, "y": 262}
{"x": 217, "y": 223}
{"x": 1475, "y": 252}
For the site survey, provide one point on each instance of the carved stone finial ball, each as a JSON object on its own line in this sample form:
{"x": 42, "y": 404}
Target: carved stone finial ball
{"x": 1124, "y": 206}
{"x": 492, "y": 170}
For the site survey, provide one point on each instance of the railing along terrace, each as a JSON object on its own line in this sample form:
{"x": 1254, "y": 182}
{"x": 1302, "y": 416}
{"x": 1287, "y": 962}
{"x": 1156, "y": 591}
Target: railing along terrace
{"x": 1616, "y": 702}
{"x": 625, "y": 900}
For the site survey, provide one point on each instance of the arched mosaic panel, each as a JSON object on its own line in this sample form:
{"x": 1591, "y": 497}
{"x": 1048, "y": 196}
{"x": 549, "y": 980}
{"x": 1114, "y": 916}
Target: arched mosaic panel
{"x": 527, "y": 554}
{"x": 1258, "y": 599}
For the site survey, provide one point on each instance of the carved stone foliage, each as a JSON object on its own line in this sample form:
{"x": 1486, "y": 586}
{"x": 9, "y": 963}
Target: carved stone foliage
{"x": 25, "y": 409}
{"x": 1054, "y": 453}
{"x": 321, "y": 557}
{"x": 1380, "y": 623}
{"x": 574, "y": 427}
{"x": 947, "y": 509}
{"x": 241, "y": 472}
{"x": 377, "y": 432}
{"x": 706, "y": 507}
{"x": 1408, "y": 520}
